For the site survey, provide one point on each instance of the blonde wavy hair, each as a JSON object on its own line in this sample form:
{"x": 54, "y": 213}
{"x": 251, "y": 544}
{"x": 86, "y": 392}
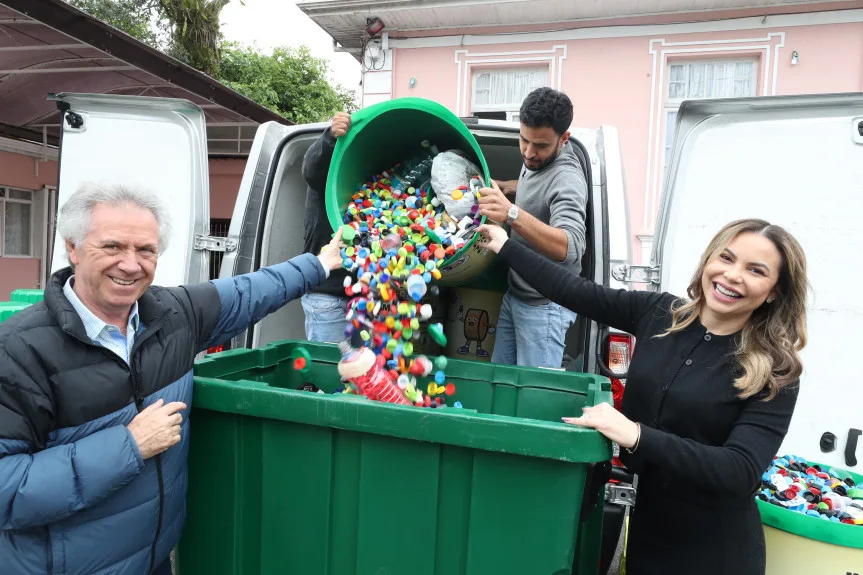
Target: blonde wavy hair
{"x": 769, "y": 346}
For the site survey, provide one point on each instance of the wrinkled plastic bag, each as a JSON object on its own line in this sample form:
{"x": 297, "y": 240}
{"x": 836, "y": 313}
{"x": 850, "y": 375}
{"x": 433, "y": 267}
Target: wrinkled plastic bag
{"x": 451, "y": 171}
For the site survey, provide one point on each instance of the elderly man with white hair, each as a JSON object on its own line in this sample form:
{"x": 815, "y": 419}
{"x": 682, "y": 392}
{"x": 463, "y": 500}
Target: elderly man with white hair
{"x": 94, "y": 381}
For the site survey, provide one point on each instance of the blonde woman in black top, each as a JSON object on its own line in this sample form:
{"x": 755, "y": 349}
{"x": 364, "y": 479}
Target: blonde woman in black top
{"x": 710, "y": 392}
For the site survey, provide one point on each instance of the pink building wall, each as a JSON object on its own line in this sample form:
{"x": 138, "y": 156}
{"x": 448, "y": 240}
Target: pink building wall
{"x": 225, "y": 177}
{"x": 29, "y": 173}
{"x": 22, "y": 171}
{"x": 619, "y": 81}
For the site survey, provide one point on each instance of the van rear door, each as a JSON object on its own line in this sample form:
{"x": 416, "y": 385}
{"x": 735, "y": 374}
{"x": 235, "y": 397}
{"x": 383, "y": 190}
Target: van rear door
{"x": 268, "y": 220}
{"x": 795, "y": 161}
{"x": 157, "y": 143}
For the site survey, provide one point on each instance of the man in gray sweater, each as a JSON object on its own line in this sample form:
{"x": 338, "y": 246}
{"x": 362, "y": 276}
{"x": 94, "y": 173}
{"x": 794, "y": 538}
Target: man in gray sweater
{"x": 548, "y": 215}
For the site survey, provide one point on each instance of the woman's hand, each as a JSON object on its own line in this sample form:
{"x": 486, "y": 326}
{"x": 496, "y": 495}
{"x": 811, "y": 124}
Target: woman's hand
{"x": 609, "y": 422}
{"x": 493, "y": 237}
{"x": 330, "y": 256}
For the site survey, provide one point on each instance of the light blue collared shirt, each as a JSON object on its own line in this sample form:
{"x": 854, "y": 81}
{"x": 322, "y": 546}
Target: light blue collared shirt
{"x": 101, "y": 333}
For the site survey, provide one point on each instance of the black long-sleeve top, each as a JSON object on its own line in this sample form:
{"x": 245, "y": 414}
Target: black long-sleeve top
{"x": 702, "y": 449}
{"x": 317, "y": 231}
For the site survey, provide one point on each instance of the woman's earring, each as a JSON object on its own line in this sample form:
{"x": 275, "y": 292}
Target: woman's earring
{"x": 770, "y": 300}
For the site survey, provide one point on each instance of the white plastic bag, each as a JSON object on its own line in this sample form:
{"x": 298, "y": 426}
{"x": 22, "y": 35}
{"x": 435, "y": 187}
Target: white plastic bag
{"x": 451, "y": 170}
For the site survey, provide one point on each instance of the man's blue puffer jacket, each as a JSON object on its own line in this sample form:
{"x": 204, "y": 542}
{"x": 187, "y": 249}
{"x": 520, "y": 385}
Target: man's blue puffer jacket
{"x": 75, "y": 496}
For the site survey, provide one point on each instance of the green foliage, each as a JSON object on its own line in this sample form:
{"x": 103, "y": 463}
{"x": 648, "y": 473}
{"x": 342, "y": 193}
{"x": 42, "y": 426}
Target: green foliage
{"x": 131, "y": 16}
{"x": 196, "y": 31}
{"x": 291, "y": 82}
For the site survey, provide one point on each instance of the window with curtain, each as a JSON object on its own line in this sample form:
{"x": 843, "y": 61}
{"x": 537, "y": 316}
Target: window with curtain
{"x": 705, "y": 80}
{"x": 504, "y": 89}
{"x": 16, "y": 209}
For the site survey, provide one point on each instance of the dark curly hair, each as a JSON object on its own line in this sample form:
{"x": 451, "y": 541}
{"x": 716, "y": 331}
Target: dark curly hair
{"x": 544, "y": 108}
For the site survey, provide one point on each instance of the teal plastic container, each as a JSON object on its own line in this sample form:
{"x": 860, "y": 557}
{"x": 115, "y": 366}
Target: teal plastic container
{"x": 10, "y": 308}
{"x": 28, "y": 295}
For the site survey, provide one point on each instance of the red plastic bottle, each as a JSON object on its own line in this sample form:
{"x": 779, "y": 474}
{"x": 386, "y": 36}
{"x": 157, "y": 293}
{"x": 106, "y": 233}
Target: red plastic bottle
{"x": 359, "y": 366}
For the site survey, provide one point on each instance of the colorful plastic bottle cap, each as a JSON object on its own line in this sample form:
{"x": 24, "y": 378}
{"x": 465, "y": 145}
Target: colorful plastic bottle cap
{"x": 436, "y": 331}
{"x": 403, "y": 381}
{"x": 348, "y": 233}
{"x": 302, "y": 359}
{"x": 426, "y": 311}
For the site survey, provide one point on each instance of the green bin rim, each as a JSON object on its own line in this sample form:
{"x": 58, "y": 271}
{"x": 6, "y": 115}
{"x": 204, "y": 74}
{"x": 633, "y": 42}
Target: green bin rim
{"x": 461, "y": 427}
{"x": 10, "y": 308}
{"x": 29, "y": 295}
{"x": 365, "y": 115}
{"x": 814, "y": 528}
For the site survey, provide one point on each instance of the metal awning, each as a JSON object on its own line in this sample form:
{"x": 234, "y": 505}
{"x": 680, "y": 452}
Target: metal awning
{"x": 49, "y": 47}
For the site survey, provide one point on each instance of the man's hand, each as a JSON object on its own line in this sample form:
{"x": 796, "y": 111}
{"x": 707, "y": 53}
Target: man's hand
{"x": 493, "y": 204}
{"x": 330, "y": 256}
{"x": 341, "y": 124}
{"x": 508, "y": 187}
{"x": 157, "y": 428}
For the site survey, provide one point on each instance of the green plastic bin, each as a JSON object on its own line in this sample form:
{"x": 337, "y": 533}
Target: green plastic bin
{"x": 290, "y": 481}
{"x": 390, "y": 132}
{"x": 28, "y": 295}
{"x": 10, "y": 308}
{"x": 798, "y": 543}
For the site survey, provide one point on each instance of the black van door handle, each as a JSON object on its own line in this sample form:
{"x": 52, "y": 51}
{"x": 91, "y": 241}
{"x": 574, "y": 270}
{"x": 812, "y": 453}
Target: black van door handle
{"x": 851, "y": 447}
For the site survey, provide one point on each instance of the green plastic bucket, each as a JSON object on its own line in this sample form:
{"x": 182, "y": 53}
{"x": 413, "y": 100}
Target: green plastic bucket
{"x": 798, "y": 543}
{"x": 27, "y": 295}
{"x": 10, "y": 308}
{"x": 390, "y": 132}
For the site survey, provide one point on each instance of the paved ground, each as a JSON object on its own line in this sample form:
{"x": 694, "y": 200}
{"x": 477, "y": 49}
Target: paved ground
{"x": 615, "y": 565}
{"x": 614, "y": 569}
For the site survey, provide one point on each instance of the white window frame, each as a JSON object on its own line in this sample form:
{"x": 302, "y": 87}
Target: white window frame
{"x": 673, "y": 104}
{"x": 3, "y": 202}
{"x": 511, "y": 108}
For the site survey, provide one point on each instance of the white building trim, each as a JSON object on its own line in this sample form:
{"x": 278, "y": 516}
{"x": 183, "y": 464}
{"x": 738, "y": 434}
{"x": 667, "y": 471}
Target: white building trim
{"x": 768, "y": 46}
{"x": 40, "y": 151}
{"x": 728, "y": 25}
{"x": 465, "y": 61}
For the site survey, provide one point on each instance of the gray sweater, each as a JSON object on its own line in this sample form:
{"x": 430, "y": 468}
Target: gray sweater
{"x": 557, "y": 196}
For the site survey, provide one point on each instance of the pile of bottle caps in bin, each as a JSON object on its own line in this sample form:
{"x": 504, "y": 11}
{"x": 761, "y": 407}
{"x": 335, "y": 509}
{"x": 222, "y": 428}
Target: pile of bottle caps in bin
{"x": 398, "y": 235}
{"x": 818, "y": 491}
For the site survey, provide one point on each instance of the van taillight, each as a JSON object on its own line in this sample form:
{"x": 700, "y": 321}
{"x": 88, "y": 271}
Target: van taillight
{"x": 619, "y": 356}
{"x": 619, "y": 353}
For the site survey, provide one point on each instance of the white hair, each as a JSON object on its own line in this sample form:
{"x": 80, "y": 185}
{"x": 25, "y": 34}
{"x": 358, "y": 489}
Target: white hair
{"x": 75, "y": 218}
